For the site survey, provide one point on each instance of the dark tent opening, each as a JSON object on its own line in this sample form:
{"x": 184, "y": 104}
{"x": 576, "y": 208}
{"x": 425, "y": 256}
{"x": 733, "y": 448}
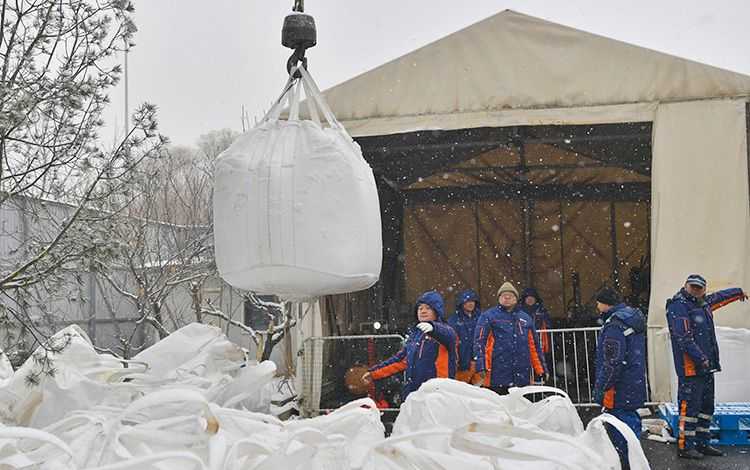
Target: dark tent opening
{"x": 565, "y": 209}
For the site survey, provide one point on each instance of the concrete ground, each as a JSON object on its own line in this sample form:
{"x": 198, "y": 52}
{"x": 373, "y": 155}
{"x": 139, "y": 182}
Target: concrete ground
{"x": 664, "y": 457}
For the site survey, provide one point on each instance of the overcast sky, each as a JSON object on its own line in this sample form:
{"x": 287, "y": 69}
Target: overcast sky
{"x": 199, "y": 61}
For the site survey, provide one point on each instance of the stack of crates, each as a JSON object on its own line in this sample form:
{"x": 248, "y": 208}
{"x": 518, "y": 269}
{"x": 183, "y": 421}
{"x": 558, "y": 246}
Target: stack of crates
{"x": 730, "y": 426}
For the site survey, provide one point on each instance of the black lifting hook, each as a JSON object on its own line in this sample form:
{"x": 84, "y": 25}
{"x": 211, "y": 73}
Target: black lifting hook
{"x": 299, "y": 34}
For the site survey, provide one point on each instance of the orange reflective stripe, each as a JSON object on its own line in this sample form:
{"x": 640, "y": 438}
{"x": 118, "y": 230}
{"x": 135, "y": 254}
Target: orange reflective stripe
{"x": 535, "y": 362}
{"x": 545, "y": 343}
{"x": 609, "y": 399}
{"x": 441, "y": 363}
{"x": 389, "y": 370}
{"x": 686, "y": 325}
{"x": 683, "y": 414}
{"x": 488, "y": 358}
{"x": 544, "y": 337}
{"x": 718, "y": 305}
{"x": 688, "y": 364}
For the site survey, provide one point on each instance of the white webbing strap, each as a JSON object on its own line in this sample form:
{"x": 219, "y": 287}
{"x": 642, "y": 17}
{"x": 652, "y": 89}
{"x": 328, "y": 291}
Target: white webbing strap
{"x": 291, "y": 96}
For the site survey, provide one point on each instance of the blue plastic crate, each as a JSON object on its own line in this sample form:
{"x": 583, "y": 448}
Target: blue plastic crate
{"x": 730, "y": 426}
{"x": 734, "y": 416}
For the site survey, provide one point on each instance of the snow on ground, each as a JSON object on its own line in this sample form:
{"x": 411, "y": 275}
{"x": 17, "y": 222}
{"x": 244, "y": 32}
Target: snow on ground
{"x": 193, "y": 401}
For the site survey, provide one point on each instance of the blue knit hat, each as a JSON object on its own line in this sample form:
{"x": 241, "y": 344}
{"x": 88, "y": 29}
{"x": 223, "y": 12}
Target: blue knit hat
{"x": 696, "y": 279}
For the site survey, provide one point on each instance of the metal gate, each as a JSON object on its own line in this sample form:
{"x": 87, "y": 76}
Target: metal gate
{"x": 571, "y": 362}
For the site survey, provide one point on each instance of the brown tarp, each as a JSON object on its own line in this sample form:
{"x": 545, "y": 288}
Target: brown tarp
{"x": 479, "y": 244}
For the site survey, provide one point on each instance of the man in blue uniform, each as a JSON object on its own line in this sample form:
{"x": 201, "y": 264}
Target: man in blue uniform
{"x": 464, "y": 321}
{"x": 620, "y": 366}
{"x": 506, "y": 345}
{"x": 429, "y": 351}
{"x": 533, "y": 305}
{"x": 690, "y": 317}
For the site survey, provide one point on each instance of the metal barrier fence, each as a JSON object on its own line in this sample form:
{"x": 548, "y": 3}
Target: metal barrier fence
{"x": 570, "y": 360}
{"x": 326, "y": 361}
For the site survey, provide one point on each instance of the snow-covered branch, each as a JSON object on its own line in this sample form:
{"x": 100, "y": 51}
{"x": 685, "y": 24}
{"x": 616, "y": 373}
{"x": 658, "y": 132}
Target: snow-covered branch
{"x": 209, "y": 310}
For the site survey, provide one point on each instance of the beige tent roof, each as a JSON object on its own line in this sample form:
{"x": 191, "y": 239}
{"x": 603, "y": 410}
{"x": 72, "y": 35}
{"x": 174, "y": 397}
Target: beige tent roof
{"x": 512, "y": 61}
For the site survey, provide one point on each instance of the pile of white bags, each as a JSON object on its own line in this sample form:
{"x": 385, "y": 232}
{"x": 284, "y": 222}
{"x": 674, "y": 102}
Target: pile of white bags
{"x": 193, "y": 404}
{"x": 80, "y": 379}
{"x": 450, "y": 425}
{"x": 448, "y": 403}
{"x": 169, "y": 429}
{"x": 77, "y": 378}
{"x": 193, "y": 349}
{"x": 296, "y": 210}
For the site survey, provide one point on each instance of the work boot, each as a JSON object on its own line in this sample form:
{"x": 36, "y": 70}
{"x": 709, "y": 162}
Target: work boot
{"x": 692, "y": 454}
{"x": 710, "y": 451}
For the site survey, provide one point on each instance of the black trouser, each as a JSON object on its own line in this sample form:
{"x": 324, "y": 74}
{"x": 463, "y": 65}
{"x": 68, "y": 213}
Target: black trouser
{"x": 695, "y": 403}
{"x": 633, "y": 420}
{"x": 499, "y": 389}
{"x": 548, "y": 362}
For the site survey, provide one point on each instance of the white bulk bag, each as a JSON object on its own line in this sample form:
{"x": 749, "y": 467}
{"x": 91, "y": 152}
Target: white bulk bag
{"x": 358, "y": 420}
{"x": 554, "y": 413}
{"x": 195, "y": 349}
{"x": 79, "y": 381}
{"x": 446, "y": 402}
{"x": 296, "y": 210}
{"x": 449, "y": 403}
{"x": 30, "y": 448}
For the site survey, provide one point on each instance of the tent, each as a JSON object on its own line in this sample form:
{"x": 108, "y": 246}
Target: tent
{"x": 517, "y": 148}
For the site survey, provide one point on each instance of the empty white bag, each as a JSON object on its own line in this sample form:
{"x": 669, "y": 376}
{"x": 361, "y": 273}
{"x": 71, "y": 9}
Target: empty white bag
{"x": 296, "y": 210}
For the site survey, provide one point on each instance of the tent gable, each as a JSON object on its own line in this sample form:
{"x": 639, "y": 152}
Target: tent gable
{"x": 515, "y": 61}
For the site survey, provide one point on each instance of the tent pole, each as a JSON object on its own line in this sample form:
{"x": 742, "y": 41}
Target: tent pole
{"x": 562, "y": 259}
{"x": 526, "y": 208}
{"x": 613, "y": 232}
{"x": 478, "y": 249}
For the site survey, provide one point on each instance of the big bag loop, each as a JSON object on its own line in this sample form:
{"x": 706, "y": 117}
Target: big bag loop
{"x": 290, "y": 96}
